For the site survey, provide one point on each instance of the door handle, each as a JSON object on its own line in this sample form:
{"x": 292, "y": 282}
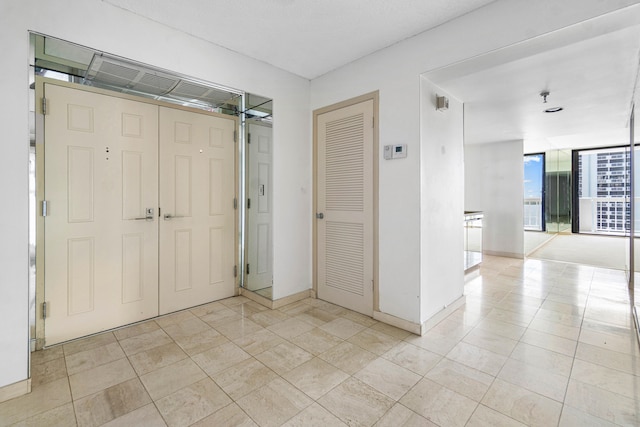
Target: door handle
{"x": 148, "y": 216}
{"x": 320, "y": 215}
{"x": 168, "y": 217}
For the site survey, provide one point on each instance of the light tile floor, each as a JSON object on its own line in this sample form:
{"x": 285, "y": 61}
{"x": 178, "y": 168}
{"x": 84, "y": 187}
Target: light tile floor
{"x": 537, "y": 343}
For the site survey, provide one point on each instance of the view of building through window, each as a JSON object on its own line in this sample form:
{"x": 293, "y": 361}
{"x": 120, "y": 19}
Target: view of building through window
{"x": 533, "y": 192}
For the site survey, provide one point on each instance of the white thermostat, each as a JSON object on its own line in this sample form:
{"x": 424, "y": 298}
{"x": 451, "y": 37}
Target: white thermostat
{"x": 398, "y": 151}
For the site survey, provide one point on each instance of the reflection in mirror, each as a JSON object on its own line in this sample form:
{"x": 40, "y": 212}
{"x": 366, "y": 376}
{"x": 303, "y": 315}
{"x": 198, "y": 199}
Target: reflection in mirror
{"x": 258, "y": 273}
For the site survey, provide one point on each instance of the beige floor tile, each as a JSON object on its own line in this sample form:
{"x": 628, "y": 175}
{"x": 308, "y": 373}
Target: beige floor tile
{"x": 43, "y": 356}
{"x": 550, "y": 361}
{"x": 400, "y": 415}
{"x": 169, "y": 379}
{"x": 572, "y": 417}
{"x": 603, "y": 404}
{"x": 218, "y": 317}
{"x": 411, "y": 357}
{"x": 42, "y": 399}
{"x": 137, "y": 329}
{"x": 327, "y": 306}
{"x": 111, "y": 403}
{"x": 220, "y": 358}
{"x": 434, "y": 342}
{"x": 146, "y": 341}
{"x": 248, "y": 309}
{"x": 89, "y": 343}
{"x": 611, "y": 359}
{"x": 514, "y": 317}
{"x": 316, "y": 341}
{"x": 462, "y": 379}
{"x": 150, "y": 360}
{"x": 268, "y": 317}
{"x": 205, "y": 309}
{"x": 316, "y": 317}
{"x": 186, "y": 328}
{"x": 490, "y": 341}
{"x": 606, "y": 378}
{"x": 348, "y": 357}
{"x": 238, "y": 328}
{"x": 260, "y": 341}
{"x": 62, "y": 416}
{"x": 147, "y": 416}
{"x": 535, "y": 379}
{"x": 522, "y": 405}
{"x": 314, "y": 416}
{"x": 274, "y": 403}
{"x": 438, "y": 404}
{"x": 229, "y": 416}
{"x": 477, "y": 358}
{"x": 46, "y": 372}
{"x": 92, "y": 358}
{"x": 503, "y": 329}
{"x": 553, "y": 328}
{"x": 173, "y": 318}
{"x": 290, "y": 328}
{"x": 487, "y": 417}
{"x": 315, "y": 377}
{"x": 388, "y": 378}
{"x": 342, "y": 328}
{"x": 284, "y": 357}
{"x": 613, "y": 342}
{"x": 550, "y": 342}
{"x": 296, "y": 308}
{"x": 391, "y": 330}
{"x": 201, "y": 342}
{"x": 192, "y": 403}
{"x": 355, "y": 403}
{"x": 564, "y": 308}
{"x": 97, "y": 379}
{"x": 359, "y": 318}
{"x": 374, "y": 341}
{"x": 243, "y": 378}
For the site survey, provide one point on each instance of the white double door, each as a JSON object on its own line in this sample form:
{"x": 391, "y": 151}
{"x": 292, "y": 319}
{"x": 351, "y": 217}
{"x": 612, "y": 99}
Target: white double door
{"x": 139, "y": 211}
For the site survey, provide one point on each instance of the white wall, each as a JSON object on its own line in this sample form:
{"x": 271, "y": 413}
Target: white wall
{"x": 98, "y": 25}
{"x": 442, "y": 201}
{"x": 395, "y": 72}
{"x": 494, "y": 184}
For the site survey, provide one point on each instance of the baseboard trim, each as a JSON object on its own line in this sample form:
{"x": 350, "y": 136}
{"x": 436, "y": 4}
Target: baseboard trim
{"x": 14, "y": 390}
{"x": 403, "y": 324}
{"x": 275, "y": 304}
{"x": 504, "y": 254}
{"x": 442, "y": 314}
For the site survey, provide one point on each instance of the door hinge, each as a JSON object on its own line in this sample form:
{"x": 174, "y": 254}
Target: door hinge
{"x": 44, "y": 106}
{"x": 235, "y": 203}
{"x": 248, "y": 269}
{"x": 248, "y": 203}
{"x": 235, "y": 271}
{"x": 44, "y": 310}
{"x": 45, "y": 208}
{"x": 248, "y": 138}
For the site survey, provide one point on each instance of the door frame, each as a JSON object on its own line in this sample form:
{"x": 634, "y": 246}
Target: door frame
{"x": 39, "y": 333}
{"x": 371, "y": 96}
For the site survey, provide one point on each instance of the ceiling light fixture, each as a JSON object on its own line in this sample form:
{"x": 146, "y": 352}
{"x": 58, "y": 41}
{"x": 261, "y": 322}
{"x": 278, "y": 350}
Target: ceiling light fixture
{"x": 544, "y": 95}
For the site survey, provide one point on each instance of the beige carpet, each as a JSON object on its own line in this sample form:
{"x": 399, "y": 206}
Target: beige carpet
{"x": 599, "y": 251}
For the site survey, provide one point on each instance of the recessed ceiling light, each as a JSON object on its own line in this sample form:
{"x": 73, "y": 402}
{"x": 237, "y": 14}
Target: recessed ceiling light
{"x": 553, "y": 109}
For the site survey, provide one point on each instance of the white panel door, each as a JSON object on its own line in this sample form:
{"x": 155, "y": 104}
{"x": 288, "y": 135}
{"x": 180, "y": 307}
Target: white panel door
{"x": 259, "y": 269}
{"x": 101, "y": 255}
{"x": 345, "y": 207}
{"x": 197, "y": 229}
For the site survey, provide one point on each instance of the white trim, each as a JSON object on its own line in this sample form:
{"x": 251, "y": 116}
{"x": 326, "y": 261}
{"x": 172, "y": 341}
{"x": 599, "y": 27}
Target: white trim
{"x": 442, "y": 314}
{"x": 14, "y": 390}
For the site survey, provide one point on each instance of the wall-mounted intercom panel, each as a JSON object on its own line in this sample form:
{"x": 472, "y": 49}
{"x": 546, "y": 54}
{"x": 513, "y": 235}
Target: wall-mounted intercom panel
{"x": 398, "y": 151}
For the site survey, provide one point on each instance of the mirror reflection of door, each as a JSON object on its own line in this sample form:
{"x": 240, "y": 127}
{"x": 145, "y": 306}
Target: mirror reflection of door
{"x": 259, "y": 249}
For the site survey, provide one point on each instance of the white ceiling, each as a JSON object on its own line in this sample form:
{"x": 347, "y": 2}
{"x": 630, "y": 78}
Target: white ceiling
{"x": 590, "y": 68}
{"x": 305, "y": 37}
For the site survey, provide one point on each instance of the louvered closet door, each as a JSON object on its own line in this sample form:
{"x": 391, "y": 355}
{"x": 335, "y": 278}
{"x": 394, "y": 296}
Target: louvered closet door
{"x": 101, "y": 175}
{"x": 345, "y": 200}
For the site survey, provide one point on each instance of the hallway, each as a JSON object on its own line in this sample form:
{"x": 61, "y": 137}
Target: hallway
{"x": 537, "y": 343}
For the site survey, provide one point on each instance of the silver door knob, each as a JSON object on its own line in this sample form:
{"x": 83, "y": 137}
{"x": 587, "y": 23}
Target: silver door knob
{"x": 320, "y": 215}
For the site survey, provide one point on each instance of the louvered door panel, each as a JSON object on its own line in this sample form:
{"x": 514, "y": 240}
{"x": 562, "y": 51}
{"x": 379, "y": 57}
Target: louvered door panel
{"x": 345, "y": 198}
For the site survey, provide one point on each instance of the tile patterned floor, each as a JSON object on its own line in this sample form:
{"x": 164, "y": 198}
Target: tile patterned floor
{"x": 537, "y": 343}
